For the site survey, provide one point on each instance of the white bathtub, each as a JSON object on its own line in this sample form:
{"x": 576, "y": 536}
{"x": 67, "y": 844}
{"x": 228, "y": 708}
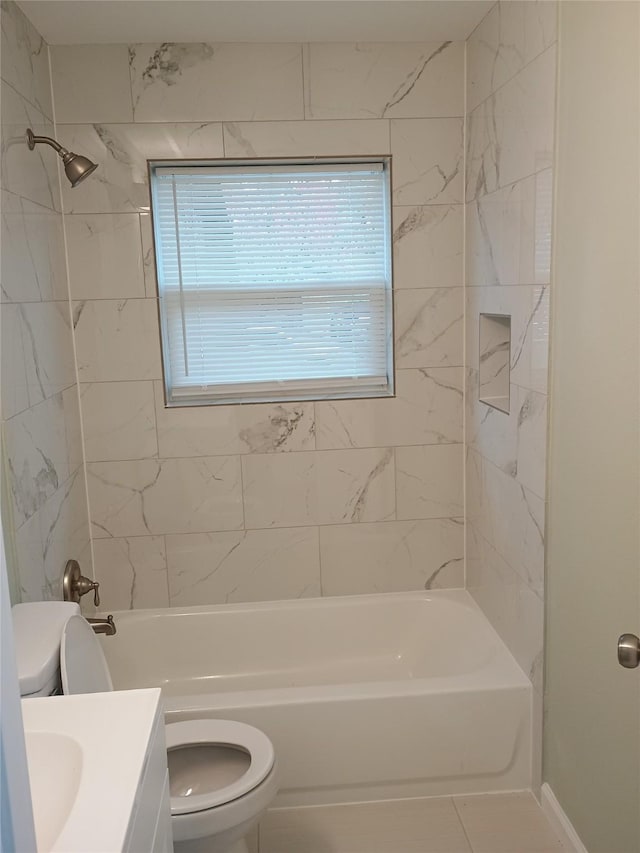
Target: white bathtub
{"x": 364, "y": 697}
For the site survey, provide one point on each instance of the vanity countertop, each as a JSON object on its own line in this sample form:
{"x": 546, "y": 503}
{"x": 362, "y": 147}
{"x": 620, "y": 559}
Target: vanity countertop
{"x": 87, "y": 755}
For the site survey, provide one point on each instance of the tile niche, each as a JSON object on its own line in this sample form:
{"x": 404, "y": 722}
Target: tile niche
{"x": 495, "y": 360}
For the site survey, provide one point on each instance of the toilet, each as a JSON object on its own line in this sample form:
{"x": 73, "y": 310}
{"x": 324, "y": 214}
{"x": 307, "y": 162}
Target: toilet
{"x": 222, "y": 774}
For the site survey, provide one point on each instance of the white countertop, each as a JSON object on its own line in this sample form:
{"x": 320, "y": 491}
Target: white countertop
{"x": 113, "y": 731}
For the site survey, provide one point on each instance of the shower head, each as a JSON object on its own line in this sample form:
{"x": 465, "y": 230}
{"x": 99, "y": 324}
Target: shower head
{"x": 76, "y": 167}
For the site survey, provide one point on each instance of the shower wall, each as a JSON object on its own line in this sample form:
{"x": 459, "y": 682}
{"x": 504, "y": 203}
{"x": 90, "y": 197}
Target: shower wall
{"x": 44, "y": 507}
{"x": 247, "y": 502}
{"x": 511, "y": 61}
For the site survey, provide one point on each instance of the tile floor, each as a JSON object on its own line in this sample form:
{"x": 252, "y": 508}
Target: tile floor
{"x": 487, "y": 823}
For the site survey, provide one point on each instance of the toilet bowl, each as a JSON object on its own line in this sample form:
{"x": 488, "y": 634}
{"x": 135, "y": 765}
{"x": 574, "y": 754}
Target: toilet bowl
{"x": 222, "y": 774}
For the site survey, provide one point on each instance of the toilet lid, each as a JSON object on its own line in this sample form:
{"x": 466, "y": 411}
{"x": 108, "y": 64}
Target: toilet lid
{"x": 83, "y": 667}
{"x": 219, "y": 733}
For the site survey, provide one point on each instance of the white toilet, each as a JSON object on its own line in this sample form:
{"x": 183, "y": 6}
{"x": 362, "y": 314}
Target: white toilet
{"x": 222, "y": 774}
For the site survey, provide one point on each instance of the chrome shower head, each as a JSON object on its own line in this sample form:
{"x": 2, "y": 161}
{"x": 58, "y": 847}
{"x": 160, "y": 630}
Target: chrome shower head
{"x": 76, "y": 167}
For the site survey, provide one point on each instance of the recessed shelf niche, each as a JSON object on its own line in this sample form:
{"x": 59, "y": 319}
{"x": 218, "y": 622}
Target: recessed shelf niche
{"x": 495, "y": 360}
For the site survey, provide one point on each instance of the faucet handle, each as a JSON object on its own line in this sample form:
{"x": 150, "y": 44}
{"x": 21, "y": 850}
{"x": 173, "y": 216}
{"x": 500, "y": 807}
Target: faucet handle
{"x": 75, "y": 584}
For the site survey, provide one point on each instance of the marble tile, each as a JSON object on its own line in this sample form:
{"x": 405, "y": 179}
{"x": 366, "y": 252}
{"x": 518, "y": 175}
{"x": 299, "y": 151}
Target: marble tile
{"x": 427, "y": 246}
{"x": 493, "y": 433}
{"x": 119, "y": 421}
{"x": 33, "y": 262}
{"x": 25, "y": 58}
{"x": 429, "y": 327}
{"x": 306, "y": 139}
{"x": 356, "y": 558}
{"x": 502, "y": 824}
{"x": 510, "y": 135}
{"x": 251, "y": 565}
{"x": 537, "y": 742}
{"x": 132, "y": 572}
{"x": 37, "y": 456}
{"x": 532, "y": 440}
{"x": 215, "y": 430}
{"x": 509, "y": 517}
{"x": 117, "y": 340}
{"x": 216, "y": 82}
{"x": 105, "y": 256}
{"x": 65, "y": 533}
{"x": 139, "y": 498}
{"x": 429, "y": 481}
{"x": 384, "y": 80}
{"x": 508, "y": 38}
{"x": 91, "y": 83}
{"x": 30, "y": 174}
{"x": 394, "y": 826}
{"x": 73, "y": 427}
{"x": 280, "y": 491}
{"x": 528, "y": 308}
{"x": 48, "y": 348}
{"x": 356, "y": 486}
{"x": 120, "y": 184}
{"x": 148, "y": 255}
{"x": 343, "y": 486}
{"x": 427, "y": 409}
{"x": 353, "y": 486}
{"x": 29, "y": 559}
{"x": 58, "y": 530}
{"x": 514, "y": 610}
{"x": 508, "y": 239}
{"x": 427, "y": 161}
{"x": 14, "y": 388}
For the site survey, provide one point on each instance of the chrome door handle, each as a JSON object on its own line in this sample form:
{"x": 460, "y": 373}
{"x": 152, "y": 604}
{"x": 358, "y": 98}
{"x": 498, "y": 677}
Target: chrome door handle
{"x": 628, "y": 651}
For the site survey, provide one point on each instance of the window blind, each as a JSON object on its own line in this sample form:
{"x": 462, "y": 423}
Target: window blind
{"x": 274, "y": 280}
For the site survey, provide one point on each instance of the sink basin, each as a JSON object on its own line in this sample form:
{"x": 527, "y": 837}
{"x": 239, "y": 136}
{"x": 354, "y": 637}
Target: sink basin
{"x": 55, "y": 771}
{"x": 86, "y": 756}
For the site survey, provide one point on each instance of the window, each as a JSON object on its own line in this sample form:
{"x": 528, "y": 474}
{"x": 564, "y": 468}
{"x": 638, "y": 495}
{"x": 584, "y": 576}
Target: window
{"x": 274, "y": 279}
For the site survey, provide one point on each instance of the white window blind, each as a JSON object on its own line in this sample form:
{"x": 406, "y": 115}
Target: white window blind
{"x": 274, "y": 280}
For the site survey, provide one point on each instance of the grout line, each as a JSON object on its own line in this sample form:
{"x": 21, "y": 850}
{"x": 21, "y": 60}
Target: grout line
{"x": 130, "y": 79}
{"x": 464, "y": 828}
{"x": 465, "y": 319}
{"x": 239, "y": 457}
{"x": 166, "y": 566}
{"x": 304, "y": 55}
{"x": 201, "y": 122}
{"x": 72, "y": 329}
{"x": 513, "y": 76}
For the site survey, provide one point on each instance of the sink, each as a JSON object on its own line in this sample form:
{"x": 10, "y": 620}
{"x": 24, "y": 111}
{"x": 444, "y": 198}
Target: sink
{"x": 86, "y": 755}
{"x": 55, "y": 771}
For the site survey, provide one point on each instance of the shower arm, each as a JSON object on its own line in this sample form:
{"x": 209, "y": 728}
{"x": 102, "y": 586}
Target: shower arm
{"x": 33, "y": 140}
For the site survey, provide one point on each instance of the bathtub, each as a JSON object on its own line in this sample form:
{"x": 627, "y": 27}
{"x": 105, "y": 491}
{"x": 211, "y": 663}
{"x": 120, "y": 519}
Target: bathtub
{"x": 364, "y": 697}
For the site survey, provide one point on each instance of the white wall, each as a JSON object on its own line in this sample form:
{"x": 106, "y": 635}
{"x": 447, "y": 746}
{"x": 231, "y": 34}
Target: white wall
{"x": 236, "y": 503}
{"x": 45, "y": 508}
{"x": 592, "y": 705}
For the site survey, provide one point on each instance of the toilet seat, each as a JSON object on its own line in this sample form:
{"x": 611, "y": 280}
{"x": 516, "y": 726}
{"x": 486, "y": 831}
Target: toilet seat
{"x": 83, "y": 666}
{"x": 226, "y": 733}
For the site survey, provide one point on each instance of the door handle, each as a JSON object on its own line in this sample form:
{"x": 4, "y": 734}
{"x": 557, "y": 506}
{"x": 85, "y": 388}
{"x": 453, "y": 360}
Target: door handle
{"x": 628, "y": 651}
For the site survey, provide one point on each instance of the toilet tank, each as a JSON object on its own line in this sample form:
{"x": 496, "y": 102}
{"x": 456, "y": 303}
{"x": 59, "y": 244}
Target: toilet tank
{"x": 37, "y": 630}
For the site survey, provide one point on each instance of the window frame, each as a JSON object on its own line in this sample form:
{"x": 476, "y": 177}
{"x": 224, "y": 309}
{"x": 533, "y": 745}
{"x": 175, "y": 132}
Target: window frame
{"x": 312, "y": 395}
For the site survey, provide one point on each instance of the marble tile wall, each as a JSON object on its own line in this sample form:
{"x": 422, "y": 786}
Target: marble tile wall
{"x": 240, "y": 503}
{"x": 510, "y": 134}
{"x": 45, "y": 512}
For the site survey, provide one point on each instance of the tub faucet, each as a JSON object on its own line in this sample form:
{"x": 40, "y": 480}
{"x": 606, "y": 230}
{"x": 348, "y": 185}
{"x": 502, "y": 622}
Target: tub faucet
{"x": 103, "y": 626}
